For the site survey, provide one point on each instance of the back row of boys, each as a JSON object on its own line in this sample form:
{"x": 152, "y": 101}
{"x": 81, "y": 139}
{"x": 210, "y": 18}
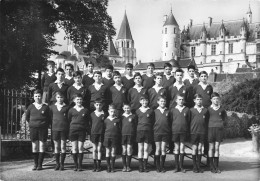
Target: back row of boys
{"x": 139, "y": 91}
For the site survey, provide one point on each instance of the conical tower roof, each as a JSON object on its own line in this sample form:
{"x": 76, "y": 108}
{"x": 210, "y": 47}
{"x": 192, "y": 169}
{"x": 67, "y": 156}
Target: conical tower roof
{"x": 125, "y": 32}
{"x": 249, "y": 10}
{"x": 170, "y": 20}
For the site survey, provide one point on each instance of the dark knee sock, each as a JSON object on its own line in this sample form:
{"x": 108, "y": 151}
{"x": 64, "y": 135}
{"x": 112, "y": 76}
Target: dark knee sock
{"x": 62, "y": 158}
{"x": 41, "y": 158}
{"x": 75, "y": 159}
{"x": 99, "y": 163}
{"x": 35, "y": 158}
{"x": 216, "y": 161}
{"x": 145, "y": 163}
{"x": 163, "y": 157}
{"x": 177, "y": 156}
{"x": 194, "y": 161}
{"x": 57, "y": 158}
{"x": 211, "y": 163}
{"x": 124, "y": 160}
{"x": 113, "y": 159}
{"x": 140, "y": 163}
{"x": 80, "y": 157}
{"x": 199, "y": 160}
{"x": 108, "y": 161}
{"x": 129, "y": 157}
{"x": 157, "y": 161}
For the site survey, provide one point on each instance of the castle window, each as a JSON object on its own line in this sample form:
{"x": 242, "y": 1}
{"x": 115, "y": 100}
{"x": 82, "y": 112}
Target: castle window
{"x": 213, "y": 49}
{"x": 165, "y": 31}
{"x": 212, "y": 61}
{"x": 127, "y": 44}
{"x": 258, "y": 47}
{"x": 244, "y": 66}
{"x": 230, "y": 48}
{"x": 193, "y": 50}
{"x": 175, "y": 44}
{"x": 258, "y": 35}
{"x": 174, "y": 30}
{"x": 122, "y": 44}
{"x": 165, "y": 54}
{"x": 258, "y": 59}
{"x": 230, "y": 60}
{"x": 166, "y": 44}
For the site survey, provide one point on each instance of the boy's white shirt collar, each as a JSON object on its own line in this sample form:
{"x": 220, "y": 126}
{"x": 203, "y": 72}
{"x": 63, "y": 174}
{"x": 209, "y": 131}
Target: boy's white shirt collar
{"x": 50, "y": 73}
{"x": 198, "y": 108}
{"x": 167, "y": 76}
{"x": 161, "y": 109}
{"x": 118, "y": 87}
{"x": 138, "y": 88}
{"x": 108, "y": 78}
{"x": 129, "y": 77}
{"x": 203, "y": 85}
{"x": 59, "y": 106}
{"x": 56, "y": 82}
{"x": 68, "y": 77}
{"x": 126, "y": 115}
{"x": 38, "y": 106}
{"x": 149, "y": 75}
{"x": 180, "y": 108}
{"x": 78, "y": 108}
{"x": 90, "y": 75}
{"x": 97, "y": 86}
{"x": 143, "y": 109}
{"x": 178, "y": 86}
{"x": 215, "y": 107}
{"x": 98, "y": 113}
{"x": 77, "y": 86}
{"x": 156, "y": 88}
{"x": 191, "y": 79}
{"x": 110, "y": 118}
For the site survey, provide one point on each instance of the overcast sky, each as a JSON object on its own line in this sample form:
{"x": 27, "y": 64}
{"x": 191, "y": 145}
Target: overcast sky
{"x": 146, "y": 18}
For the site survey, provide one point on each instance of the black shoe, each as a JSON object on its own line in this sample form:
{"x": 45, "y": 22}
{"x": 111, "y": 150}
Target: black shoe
{"x": 61, "y": 167}
{"x": 57, "y": 167}
{"x": 34, "y": 167}
{"x": 39, "y": 167}
{"x": 128, "y": 169}
{"x": 183, "y": 170}
{"x": 163, "y": 170}
{"x": 176, "y": 170}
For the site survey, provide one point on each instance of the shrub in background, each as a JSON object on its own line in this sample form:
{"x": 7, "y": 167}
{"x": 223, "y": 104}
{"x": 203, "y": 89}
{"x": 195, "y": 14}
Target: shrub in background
{"x": 224, "y": 86}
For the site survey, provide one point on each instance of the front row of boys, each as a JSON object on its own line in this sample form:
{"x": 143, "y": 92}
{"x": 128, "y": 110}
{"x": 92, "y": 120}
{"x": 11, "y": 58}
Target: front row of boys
{"x": 143, "y": 126}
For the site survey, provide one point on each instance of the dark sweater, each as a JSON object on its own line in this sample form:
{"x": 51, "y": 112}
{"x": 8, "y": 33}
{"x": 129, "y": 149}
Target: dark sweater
{"x": 59, "y": 118}
{"x": 69, "y": 82}
{"x": 180, "y": 120}
{"x": 190, "y": 97}
{"x": 97, "y": 123}
{"x": 134, "y": 97}
{"x": 118, "y": 97}
{"x": 193, "y": 84}
{"x": 129, "y": 125}
{"x": 87, "y": 81}
{"x": 102, "y": 93}
{"x": 145, "y": 120}
{"x": 166, "y": 83}
{"x": 53, "y": 88}
{"x": 217, "y": 118}
{"x": 72, "y": 91}
{"x": 38, "y": 118}
{"x": 47, "y": 80}
{"x": 173, "y": 92}
{"x": 162, "y": 122}
{"x": 112, "y": 128}
{"x": 206, "y": 94}
{"x": 199, "y": 121}
{"x": 108, "y": 82}
{"x": 153, "y": 96}
{"x": 148, "y": 82}
{"x": 128, "y": 83}
{"x": 79, "y": 120}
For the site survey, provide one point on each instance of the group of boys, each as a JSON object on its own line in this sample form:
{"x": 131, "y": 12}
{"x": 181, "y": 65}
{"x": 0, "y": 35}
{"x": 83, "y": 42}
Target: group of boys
{"x": 158, "y": 109}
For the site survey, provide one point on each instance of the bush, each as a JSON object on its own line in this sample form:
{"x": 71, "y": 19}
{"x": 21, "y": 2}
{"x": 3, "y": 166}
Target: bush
{"x": 224, "y": 86}
{"x": 243, "y": 97}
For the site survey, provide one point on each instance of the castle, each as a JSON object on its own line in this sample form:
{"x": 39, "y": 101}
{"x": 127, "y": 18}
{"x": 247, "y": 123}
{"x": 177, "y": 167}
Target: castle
{"x": 216, "y": 47}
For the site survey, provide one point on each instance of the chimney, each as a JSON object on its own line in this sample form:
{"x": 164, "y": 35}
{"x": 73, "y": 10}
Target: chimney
{"x": 191, "y": 21}
{"x": 210, "y": 22}
{"x": 164, "y": 18}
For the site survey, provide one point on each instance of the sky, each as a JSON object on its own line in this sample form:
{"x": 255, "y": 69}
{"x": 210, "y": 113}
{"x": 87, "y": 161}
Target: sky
{"x": 146, "y": 19}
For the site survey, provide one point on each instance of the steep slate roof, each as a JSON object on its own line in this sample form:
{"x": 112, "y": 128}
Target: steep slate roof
{"x": 125, "y": 32}
{"x": 79, "y": 50}
{"x": 170, "y": 20}
{"x": 64, "y": 55}
{"x": 111, "y": 50}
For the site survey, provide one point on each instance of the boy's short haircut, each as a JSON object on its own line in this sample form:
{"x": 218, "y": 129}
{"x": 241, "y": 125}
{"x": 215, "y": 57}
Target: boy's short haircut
{"x": 37, "y": 91}
{"x": 180, "y": 95}
{"x": 110, "y": 67}
{"x": 203, "y": 72}
{"x": 143, "y": 97}
{"x": 77, "y": 73}
{"x": 161, "y": 97}
{"x": 129, "y": 65}
{"x": 59, "y": 70}
{"x": 89, "y": 62}
{"x": 98, "y": 72}
{"x": 167, "y": 65}
{"x": 191, "y": 67}
{"x": 77, "y": 95}
{"x": 59, "y": 93}
{"x": 179, "y": 70}
{"x": 197, "y": 96}
{"x": 215, "y": 94}
{"x": 137, "y": 74}
{"x": 51, "y": 63}
{"x": 98, "y": 100}
{"x": 159, "y": 74}
{"x": 150, "y": 65}
{"x": 111, "y": 106}
{"x": 126, "y": 104}
{"x": 69, "y": 65}
{"x": 116, "y": 73}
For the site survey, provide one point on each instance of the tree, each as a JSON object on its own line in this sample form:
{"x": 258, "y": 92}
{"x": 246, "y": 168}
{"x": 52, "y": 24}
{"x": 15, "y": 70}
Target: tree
{"x": 27, "y": 33}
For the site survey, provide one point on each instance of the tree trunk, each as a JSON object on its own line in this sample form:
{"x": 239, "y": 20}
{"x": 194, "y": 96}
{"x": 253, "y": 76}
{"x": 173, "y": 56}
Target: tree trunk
{"x": 255, "y": 141}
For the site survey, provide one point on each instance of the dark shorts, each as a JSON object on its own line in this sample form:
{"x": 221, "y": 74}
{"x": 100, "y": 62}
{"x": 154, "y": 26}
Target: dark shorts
{"x": 59, "y": 135}
{"x": 197, "y": 138}
{"x": 127, "y": 139}
{"x": 111, "y": 142}
{"x": 215, "y": 135}
{"x": 144, "y": 136}
{"x": 77, "y": 135}
{"x": 161, "y": 137}
{"x": 179, "y": 137}
{"x": 38, "y": 134}
{"x": 96, "y": 138}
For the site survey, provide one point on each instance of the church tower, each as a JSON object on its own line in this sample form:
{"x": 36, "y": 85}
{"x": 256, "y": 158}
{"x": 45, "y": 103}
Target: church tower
{"x": 125, "y": 43}
{"x": 170, "y": 38}
{"x": 249, "y": 15}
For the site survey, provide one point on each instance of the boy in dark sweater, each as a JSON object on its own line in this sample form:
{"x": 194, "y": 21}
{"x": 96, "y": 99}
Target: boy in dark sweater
{"x": 87, "y": 79}
{"x": 107, "y": 79}
{"x": 60, "y": 129}
{"x": 217, "y": 118}
{"x": 148, "y": 78}
{"x": 144, "y": 137}
{"x": 168, "y": 79}
{"x": 198, "y": 127}
{"x": 112, "y": 129}
{"x": 78, "y": 117}
{"x": 136, "y": 92}
{"x": 47, "y": 78}
{"x": 161, "y": 131}
{"x": 37, "y": 114}
{"x": 97, "y": 133}
{"x": 128, "y": 79}
{"x": 58, "y": 86}
{"x": 69, "y": 69}
{"x": 180, "y": 121}
{"x": 128, "y": 121}
{"x": 118, "y": 93}
{"x": 156, "y": 91}
{"x": 98, "y": 90}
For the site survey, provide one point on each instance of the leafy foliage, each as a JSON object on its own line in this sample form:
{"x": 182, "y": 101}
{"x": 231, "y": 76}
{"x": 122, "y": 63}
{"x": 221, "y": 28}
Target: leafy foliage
{"x": 224, "y": 86}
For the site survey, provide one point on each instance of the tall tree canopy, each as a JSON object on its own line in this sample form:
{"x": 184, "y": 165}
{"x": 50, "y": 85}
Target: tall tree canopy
{"x": 28, "y": 27}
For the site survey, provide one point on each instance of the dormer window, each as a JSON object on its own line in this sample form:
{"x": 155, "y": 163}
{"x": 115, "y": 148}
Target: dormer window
{"x": 165, "y": 30}
{"x": 258, "y": 35}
